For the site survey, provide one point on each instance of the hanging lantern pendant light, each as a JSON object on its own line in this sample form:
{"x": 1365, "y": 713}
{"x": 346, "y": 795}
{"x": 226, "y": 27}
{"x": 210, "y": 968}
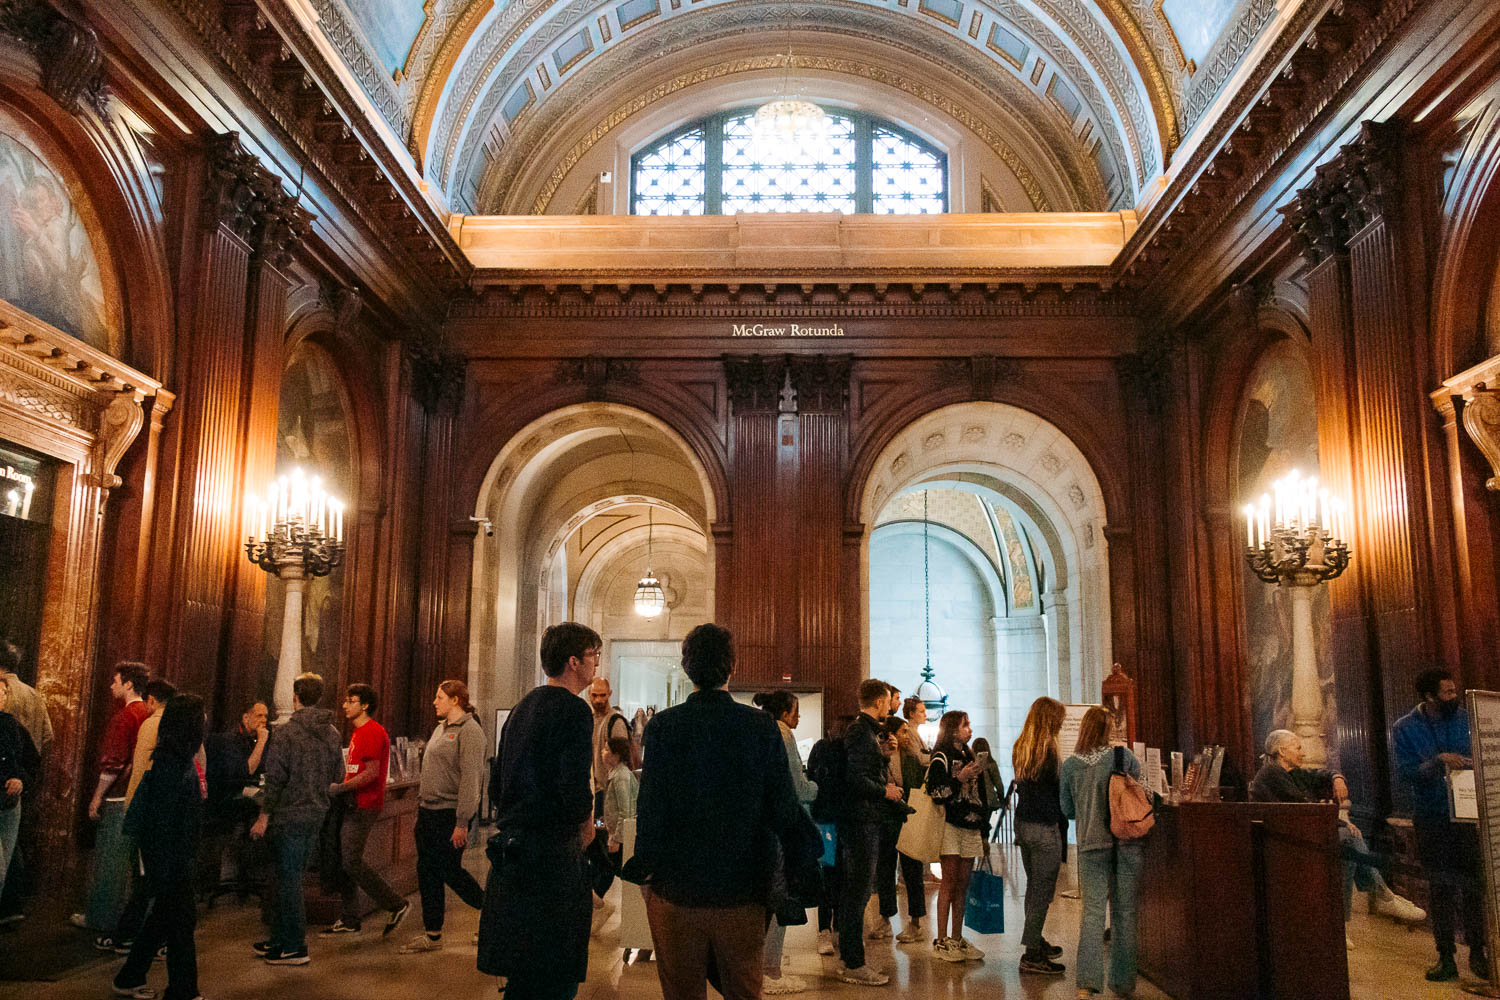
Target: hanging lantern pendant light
{"x": 650, "y": 599}
{"x": 929, "y": 692}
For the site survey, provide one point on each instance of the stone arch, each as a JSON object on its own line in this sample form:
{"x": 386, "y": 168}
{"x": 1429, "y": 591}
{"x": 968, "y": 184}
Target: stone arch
{"x": 1018, "y": 455}
{"x": 572, "y": 463}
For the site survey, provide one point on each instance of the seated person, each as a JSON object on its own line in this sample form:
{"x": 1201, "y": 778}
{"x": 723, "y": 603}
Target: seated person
{"x": 1283, "y": 779}
{"x": 234, "y": 764}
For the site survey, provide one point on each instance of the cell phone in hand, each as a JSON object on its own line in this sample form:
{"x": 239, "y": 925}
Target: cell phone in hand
{"x": 983, "y": 757}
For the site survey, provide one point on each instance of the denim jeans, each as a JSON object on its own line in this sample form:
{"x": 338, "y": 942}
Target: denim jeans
{"x": 1361, "y": 868}
{"x": 1041, "y": 856}
{"x": 1109, "y": 876}
{"x": 113, "y": 854}
{"x": 10, "y": 831}
{"x": 291, "y": 846}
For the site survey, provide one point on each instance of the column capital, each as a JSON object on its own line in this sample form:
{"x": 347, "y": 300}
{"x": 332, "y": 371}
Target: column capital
{"x": 1359, "y": 185}
{"x": 821, "y": 382}
{"x": 754, "y": 381}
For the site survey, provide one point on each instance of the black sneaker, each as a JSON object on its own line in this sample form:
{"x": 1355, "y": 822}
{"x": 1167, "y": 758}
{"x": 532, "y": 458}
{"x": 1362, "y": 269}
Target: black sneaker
{"x": 1041, "y": 966}
{"x": 339, "y": 927}
{"x": 276, "y": 956}
{"x": 261, "y": 947}
{"x": 397, "y": 915}
{"x": 1446, "y": 971}
{"x": 1051, "y": 950}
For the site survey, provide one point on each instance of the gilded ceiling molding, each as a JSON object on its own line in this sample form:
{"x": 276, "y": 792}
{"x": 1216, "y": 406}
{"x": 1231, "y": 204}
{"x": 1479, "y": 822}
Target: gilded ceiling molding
{"x": 430, "y": 65}
{"x": 1176, "y": 43}
{"x": 367, "y": 69}
{"x": 479, "y": 86}
{"x": 1225, "y": 57}
{"x": 848, "y": 67}
{"x": 1107, "y": 60}
{"x": 1163, "y": 101}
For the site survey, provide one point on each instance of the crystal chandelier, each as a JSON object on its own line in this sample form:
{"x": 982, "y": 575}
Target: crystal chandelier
{"x": 649, "y": 597}
{"x": 789, "y": 125}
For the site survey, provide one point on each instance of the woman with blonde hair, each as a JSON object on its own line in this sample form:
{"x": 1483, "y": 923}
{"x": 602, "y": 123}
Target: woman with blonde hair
{"x": 952, "y": 782}
{"x": 1109, "y": 871}
{"x": 1041, "y": 830}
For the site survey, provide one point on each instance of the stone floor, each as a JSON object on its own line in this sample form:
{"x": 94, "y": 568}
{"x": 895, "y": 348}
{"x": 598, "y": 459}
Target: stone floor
{"x": 1386, "y": 962}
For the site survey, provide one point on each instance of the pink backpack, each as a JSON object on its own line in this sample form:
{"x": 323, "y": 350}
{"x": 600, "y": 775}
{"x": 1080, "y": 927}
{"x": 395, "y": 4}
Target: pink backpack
{"x": 1131, "y": 814}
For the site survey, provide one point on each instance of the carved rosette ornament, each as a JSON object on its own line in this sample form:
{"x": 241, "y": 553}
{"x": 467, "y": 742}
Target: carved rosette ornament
{"x": 1482, "y": 421}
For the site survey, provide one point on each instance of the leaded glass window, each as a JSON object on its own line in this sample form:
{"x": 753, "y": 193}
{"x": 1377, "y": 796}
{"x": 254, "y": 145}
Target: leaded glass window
{"x": 713, "y": 167}
{"x": 669, "y": 176}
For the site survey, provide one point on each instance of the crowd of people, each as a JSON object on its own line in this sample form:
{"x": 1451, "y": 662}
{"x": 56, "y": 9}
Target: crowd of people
{"x": 708, "y": 808}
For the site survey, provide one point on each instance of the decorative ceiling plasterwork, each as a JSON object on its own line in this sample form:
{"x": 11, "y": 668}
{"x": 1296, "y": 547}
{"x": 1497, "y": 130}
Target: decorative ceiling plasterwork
{"x": 342, "y": 32}
{"x": 492, "y": 69}
{"x": 1037, "y": 127}
{"x": 1225, "y": 58}
{"x": 641, "y": 102}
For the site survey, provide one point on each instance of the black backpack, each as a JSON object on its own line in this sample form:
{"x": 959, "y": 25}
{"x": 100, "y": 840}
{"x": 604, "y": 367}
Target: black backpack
{"x": 828, "y": 765}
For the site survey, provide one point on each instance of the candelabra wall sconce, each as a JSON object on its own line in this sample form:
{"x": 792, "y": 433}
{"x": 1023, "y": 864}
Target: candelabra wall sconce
{"x": 295, "y": 531}
{"x": 1296, "y": 537}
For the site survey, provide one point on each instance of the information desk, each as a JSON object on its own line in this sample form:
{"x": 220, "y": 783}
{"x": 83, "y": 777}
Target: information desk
{"x": 1244, "y": 899}
{"x": 391, "y": 852}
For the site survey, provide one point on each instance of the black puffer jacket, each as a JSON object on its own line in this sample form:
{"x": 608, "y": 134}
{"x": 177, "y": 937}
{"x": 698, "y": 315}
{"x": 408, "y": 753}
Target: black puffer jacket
{"x": 302, "y": 759}
{"x": 18, "y": 759}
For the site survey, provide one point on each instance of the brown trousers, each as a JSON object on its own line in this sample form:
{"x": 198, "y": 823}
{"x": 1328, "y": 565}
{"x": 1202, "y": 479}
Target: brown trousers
{"x": 687, "y": 938}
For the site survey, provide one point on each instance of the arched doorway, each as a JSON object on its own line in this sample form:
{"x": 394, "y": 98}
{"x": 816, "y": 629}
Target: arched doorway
{"x": 576, "y": 504}
{"x": 1017, "y": 559}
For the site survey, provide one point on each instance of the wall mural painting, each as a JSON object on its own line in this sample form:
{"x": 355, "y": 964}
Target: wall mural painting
{"x": 1022, "y": 596}
{"x": 313, "y": 432}
{"x": 1279, "y": 433}
{"x": 47, "y": 263}
{"x": 391, "y": 27}
{"x": 1198, "y": 23}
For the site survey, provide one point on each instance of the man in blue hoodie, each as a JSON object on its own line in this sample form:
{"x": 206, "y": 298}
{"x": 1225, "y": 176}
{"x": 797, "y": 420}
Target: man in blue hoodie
{"x": 303, "y": 759}
{"x": 1430, "y": 741}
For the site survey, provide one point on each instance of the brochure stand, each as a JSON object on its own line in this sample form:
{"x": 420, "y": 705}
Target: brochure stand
{"x": 1484, "y": 737}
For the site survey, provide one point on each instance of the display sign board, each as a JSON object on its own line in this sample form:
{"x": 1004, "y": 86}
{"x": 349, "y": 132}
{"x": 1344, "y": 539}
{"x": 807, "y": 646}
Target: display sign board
{"x": 1484, "y": 736}
{"x": 1067, "y": 738}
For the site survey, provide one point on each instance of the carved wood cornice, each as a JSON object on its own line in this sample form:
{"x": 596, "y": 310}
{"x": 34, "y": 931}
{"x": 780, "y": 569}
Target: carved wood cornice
{"x": 683, "y": 298}
{"x": 1318, "y": 53}
{"x": 263, "y": 48}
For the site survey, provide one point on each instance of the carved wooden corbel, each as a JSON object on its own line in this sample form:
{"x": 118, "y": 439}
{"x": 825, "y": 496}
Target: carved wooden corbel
{"x": 67, "y": 51}
{"x": 1482, "y": 421}
{"x": 119, "y": 423}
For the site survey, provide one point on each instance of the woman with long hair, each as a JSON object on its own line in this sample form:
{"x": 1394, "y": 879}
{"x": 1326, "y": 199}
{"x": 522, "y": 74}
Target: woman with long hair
{"x": 952, "y": 781}
{"x": 447, "y": 799}
{"x": 909, "y": 770}
{"x": 1109, "y": 871}
{"x": 784, "y": 707}
{"x": 824, "y": 767}
{"x": 1041, "y": 831}
{"x": 165, "y": 818}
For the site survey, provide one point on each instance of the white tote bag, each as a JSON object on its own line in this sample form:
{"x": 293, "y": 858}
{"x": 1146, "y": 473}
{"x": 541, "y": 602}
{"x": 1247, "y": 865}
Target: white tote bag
{"x": 922, "y": 834}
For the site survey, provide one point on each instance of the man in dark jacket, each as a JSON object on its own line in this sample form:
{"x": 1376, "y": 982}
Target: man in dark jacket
{"x": 869, "y": 793}
{"x": 716, "y": 800}
{"x": 304, "y": 758}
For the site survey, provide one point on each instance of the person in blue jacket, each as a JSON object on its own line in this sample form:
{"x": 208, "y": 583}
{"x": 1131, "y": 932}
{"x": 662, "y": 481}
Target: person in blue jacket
{"x": 1431, "y": 741}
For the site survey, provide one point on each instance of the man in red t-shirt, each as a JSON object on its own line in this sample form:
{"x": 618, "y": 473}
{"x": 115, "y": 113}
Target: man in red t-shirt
{"x": 365, "y": 769}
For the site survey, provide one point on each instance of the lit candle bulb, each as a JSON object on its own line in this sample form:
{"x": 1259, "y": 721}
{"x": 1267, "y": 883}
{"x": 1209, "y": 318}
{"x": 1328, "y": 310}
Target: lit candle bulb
{"x": 1249, "y": 526}
{"x": 1265, "y": 518}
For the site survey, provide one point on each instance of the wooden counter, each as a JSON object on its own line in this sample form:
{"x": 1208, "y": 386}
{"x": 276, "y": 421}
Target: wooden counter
{"x": 391, "y": 851}
{"x": 1244, "y": 900}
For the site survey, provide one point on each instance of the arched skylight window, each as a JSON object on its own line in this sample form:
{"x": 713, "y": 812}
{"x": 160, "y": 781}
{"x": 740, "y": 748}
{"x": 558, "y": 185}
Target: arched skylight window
{"x": 712, "y": 167}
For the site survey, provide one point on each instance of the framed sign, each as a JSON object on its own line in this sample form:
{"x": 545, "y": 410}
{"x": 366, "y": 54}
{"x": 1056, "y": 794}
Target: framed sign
{"x": 1484, "y": 742}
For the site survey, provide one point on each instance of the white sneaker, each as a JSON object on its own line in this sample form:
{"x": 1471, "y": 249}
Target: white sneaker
{"x": 421, "y": 943}
{"x": 880, "y": 929}
{"x": 862, "y": 976}
{"x": 948, "y": 950}
{"x": 1401, "y": 909}
{"x": 970, "y": 952}
{"x": 825, "y": 942}
{"x": 912, "y": 934}
{"x": 782, "y": 986}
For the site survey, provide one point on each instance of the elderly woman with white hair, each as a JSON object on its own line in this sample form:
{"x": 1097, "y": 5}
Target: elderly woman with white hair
{"x": 1283, "y": 779}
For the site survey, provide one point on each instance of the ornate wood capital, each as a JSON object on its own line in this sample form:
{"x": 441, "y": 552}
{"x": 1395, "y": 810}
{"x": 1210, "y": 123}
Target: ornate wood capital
{"x": 1146, "y": 374}
{"x": 66, "y": 50}
{"x": 437, "y": 378}
{"x": 1359, "y": 185}
{"x": 280, "y": 225}
{"x": 754, "y": 382}
{"x": 821, "y": 383}
{"x": 232, "y": 193}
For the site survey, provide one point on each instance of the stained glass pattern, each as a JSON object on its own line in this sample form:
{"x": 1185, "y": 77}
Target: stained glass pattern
{"x": 670, "y": 178}
{"x": 788, "y": 178}
{"x": 908, "y": 179}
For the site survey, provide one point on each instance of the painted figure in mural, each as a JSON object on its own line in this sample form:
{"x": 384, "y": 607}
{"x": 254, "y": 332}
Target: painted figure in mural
{"x": 47, "y": 265}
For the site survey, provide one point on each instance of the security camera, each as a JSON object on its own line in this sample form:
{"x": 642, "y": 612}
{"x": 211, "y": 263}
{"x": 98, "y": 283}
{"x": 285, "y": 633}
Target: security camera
{"x": 484, "y": 522}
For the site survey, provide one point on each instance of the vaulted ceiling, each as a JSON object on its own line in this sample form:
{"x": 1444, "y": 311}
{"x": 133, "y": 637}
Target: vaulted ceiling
{"x": 1084, "y": 101}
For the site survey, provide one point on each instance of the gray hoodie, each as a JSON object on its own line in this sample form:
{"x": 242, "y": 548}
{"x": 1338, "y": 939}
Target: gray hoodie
{"x": 303, "y": 758}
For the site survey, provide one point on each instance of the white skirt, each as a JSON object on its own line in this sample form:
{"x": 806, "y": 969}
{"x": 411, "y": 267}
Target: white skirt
{"x": 963, "y": 843}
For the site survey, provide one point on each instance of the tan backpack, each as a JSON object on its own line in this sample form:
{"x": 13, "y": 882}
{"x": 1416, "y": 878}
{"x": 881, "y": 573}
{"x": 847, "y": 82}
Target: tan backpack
{"x": 1131, "y": 813}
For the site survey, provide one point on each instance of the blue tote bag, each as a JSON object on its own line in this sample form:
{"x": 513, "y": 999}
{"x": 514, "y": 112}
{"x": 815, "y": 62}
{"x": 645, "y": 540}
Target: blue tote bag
{"x": 984, "y": 912}
{"x": 830, "y": 844}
